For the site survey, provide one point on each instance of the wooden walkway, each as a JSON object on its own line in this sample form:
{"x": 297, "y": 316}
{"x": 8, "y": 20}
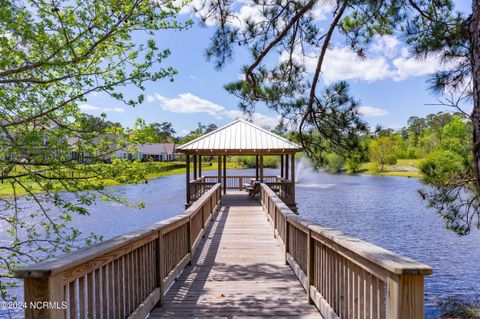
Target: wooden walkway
{"x": 238, "y": 270}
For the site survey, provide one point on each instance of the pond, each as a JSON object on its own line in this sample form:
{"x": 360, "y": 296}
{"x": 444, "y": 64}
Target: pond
{"x": 386, "y": 211}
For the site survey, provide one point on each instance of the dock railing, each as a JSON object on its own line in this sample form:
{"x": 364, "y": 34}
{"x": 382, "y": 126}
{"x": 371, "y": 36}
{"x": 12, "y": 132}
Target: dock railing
{"x": 281, "y": 186}
{"x": 343, "y": 276}
{"x": 124, "y": 277}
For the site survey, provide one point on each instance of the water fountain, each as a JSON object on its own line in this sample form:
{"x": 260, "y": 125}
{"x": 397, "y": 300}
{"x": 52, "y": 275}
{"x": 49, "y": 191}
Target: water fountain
{"x": 307, "y": 176}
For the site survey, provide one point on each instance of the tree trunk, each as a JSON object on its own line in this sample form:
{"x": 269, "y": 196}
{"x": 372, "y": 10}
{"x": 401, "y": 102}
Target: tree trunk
{"x": 474, "y": 29}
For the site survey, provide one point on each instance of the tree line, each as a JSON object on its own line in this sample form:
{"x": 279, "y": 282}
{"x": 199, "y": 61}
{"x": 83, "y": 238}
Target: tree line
{"x": 433, "y": 139}
{"x": 142, "y": 133}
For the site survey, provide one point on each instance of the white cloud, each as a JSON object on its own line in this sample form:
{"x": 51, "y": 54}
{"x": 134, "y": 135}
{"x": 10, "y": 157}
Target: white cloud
{"x": 187, "y": 103}
{"x": 344, "y": 64}
{"x": 252, "y": 13}
{"x": 322, "y": 10}
{"x": 370, "y": 111}
{"x": 197, "y": 8}
{"x": 259, "y": 119}
{"x": 386, "y": 45}
{"x": 96, "y": 109}
{"x": 247, "y": 10}
{"x": 406, "y": 67}
{"x": 385, "y": 59}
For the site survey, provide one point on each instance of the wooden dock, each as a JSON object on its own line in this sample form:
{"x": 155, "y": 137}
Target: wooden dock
{"x": 226, "y": 256}
{"x": 238, "y": 270}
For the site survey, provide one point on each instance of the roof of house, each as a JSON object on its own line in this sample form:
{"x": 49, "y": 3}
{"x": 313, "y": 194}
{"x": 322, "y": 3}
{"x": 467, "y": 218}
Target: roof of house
{"x": 240, "y": 137}
{"x": 156, "y": 148}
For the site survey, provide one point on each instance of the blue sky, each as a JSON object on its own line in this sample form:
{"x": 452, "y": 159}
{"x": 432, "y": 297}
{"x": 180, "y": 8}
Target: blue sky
{"x": 390, "y": 84}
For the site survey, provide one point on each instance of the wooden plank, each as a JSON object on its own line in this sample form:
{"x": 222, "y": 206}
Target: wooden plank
{"x": 374, "y": 294}
{"x": 323, "y": 306}
{"x": 381, "y": 299}
{"x": 405, "y": 297}
{"x": 161, "y": 266}
{"x": 238, "y": 269}
{"x": 105, "y": 285}
{"x": 111, "y": 291}
{"x": 378, "y": 256}
{"x": 302, "y": 277}
{"x": 81, "y": 295}
{"x": 98, "y": 294}
{"x": 169, "y": 280}
{"x": 146, "y": 306}
{"x": 95, "y": 263}
{"x": 91, "y": 296}
{"x": 72, "y": 303}
{"x": 82, "y": 258}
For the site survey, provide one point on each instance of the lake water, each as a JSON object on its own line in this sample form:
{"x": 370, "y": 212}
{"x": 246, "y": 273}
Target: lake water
{"x": 386, "y": 211}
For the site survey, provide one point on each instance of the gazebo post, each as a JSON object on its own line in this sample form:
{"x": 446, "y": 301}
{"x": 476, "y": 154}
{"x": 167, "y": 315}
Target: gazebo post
{"x": 286, "y": 167}
{"x": 293, "y": 176}
{"x": 219, "y": 169}
{"x": 261, "y": 168}
{"x": 281, "y": 166}
{"x": 256, "y": 167}
{"x": 194, "y": 167}
{"x": 200, "y": 166}
{"x": 187, "y": 175}
{"x": 224, "y": 174}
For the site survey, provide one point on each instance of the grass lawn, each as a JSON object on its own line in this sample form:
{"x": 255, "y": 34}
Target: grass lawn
{"x": 403, "y": 168}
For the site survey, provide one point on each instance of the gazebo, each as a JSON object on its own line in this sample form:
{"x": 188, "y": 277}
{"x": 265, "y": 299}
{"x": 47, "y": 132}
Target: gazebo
{"x": 240, "y": 138}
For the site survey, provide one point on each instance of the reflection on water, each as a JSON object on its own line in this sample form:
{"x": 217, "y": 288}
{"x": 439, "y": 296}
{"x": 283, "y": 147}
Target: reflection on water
{"x": 383, "y": 210}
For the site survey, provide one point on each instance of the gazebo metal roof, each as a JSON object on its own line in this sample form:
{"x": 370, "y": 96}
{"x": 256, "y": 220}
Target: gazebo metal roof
{"x": 240, "y": 137}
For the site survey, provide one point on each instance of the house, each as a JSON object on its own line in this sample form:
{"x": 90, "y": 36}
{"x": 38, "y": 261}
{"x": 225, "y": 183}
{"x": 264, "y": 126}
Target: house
{"x": 156, "y": 152}
{"x": 107, "y": 144}
{"x": 150, "y": 152}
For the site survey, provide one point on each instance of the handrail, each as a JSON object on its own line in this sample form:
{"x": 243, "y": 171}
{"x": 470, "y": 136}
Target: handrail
{"x": 94, "y": 280}
{"x": 343, "y": 276}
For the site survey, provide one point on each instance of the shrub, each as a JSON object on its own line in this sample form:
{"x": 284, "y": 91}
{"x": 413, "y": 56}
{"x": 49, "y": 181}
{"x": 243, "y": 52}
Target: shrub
{"x": 249, "y": 161}
{"x": 335, "y": 162}
{"x": 353, "y": 164}
{"x": 440, "y": 166}
{"x": 452, "y": 307}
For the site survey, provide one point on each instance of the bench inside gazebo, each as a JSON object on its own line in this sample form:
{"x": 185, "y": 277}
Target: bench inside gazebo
{"x": 240, "y": 138}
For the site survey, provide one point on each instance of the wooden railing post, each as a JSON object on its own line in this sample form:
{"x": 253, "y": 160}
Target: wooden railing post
{"x": 275, "y": 222}
{"x": 286, "y": 239}
{"x": 161, "y": 266}
{"x": 203, "y": 221}
{"x": 310, "y": 264}
{"x": 405, "y": 297}
{"x": 47, "y": 289}
{"x": 190, "y": 238}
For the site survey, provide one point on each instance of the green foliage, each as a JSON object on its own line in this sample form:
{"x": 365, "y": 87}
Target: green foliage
{"x": 199, "y": 131}
{"x": 455, "y": 308}
{"x": 53, "y": 55}
{"x": 142, "y": 132}
{"x": 354, "y": 163}
{"x": 383, "y": 152}
{"x": 335, "y": 162}
{"x": 441, "y": 166}
{"x": 450, "y": 157}
{"x": 250, "y": 161}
